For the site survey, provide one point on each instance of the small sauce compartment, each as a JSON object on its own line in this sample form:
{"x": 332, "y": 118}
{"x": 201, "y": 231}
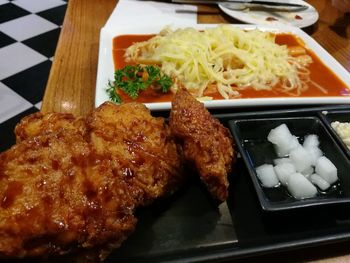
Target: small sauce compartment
{"x": 251, "y": 138}
{"x": 341, "y": 116}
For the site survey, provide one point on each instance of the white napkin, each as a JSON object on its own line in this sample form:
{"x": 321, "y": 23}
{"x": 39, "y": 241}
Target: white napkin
{"x": 144, "y": 12}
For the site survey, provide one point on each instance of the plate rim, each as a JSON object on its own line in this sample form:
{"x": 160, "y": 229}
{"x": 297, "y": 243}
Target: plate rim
{"x": 240, "y": 18}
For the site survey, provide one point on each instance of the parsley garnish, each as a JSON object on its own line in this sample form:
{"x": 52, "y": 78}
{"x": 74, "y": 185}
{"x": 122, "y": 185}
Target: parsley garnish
{"x": 133, "y": 79}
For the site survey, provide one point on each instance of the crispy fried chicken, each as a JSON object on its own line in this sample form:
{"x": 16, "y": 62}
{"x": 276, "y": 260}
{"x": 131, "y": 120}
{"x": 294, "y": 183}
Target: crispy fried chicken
{"x": 68, "y": 185}
{"x": 206, "y": 142}
{"x": 141, "y": 149}
{"x": 73, "y": 184}
{"x": 40, "y": 124}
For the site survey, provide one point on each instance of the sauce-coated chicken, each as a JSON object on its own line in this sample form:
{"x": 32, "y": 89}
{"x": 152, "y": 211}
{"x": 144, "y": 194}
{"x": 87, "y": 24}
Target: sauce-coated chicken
{"x": 70, "y": 185}
{"x": 206, "y": 142}
{"x": 141, "y": 148}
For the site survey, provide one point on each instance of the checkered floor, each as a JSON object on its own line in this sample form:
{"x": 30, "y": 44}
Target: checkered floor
{"x": 29, "y": 30}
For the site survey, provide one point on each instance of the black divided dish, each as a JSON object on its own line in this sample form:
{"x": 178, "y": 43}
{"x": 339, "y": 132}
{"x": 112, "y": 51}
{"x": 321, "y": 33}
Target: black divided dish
{"x": 158, "y": 236}
{"x": 257, "y": 150}
{"x": 336, "y": 115}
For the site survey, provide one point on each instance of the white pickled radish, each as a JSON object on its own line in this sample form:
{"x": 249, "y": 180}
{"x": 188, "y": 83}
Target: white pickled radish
{"x": 326, "y": 169}
{"x": 284, "y": 149}
{"x": 267, "y": 175}
{"x": 299, "y": 167}
{"x": 301, "y": 159}
{"x": 319, "y": 181}
{"x": 309, "y": 171}
{"x": 311, "y": 140}
{"x": 282, "y": 160}
{"x": 283, "y": 171}
{"x": 314, "y": 153}
{"x": 282, "y": 139}
{"x": 300, "y": 187}
{"x": 279, "y": 135}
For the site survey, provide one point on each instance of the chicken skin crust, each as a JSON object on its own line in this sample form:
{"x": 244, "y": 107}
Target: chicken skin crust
{"x": 141, "y": 148}
{"x": 206, "y": 142}
{"x": 38, "y": 123}
{"x": 58, "y": 195}
{"x": 71, "y": 185}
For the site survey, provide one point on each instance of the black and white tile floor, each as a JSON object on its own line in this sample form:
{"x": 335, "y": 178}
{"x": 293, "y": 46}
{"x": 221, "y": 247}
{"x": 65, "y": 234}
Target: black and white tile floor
{"x": 29, "y": 30}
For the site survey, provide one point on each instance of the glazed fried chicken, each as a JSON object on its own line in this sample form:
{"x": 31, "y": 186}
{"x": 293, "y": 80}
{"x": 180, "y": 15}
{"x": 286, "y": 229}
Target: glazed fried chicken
{"x": 38, "y": 123}
{"x": 57, "y": 194}
{"x": 73, "y": 184}
{"x": 141, "y": 148}
{"x": 206, "y": 142}
{"x": 70, "y": 186}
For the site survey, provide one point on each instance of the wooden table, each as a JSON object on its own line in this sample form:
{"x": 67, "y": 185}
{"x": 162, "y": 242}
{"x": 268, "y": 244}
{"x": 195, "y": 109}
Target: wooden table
{"x": 71, "y": 85}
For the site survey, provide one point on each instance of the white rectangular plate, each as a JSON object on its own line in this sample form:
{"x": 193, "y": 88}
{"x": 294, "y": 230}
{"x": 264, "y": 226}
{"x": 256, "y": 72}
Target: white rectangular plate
{"x": 106, "y": 68}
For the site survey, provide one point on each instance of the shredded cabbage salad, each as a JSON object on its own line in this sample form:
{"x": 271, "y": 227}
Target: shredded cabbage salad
{"x": 226, "y": 57}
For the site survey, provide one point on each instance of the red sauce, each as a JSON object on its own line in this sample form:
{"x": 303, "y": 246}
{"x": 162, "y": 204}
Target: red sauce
{"x": 12, "y": 191}
{"x": 320, "y": 73}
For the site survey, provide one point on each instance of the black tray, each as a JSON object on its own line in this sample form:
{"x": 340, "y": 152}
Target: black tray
{"x": 170, "y": 231}
{"x": 190, "y": 227}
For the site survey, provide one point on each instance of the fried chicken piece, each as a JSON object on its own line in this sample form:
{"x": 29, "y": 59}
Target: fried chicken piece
{"x": 141, "y": 148}
{"x": 71, "y": 187}
{"x": 38, "y": 123}
{"x": 57, "y": 195}
{"x": 206, "y": 142}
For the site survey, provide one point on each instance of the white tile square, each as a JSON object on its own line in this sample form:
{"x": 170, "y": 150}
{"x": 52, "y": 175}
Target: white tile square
{"x": 17, "y": 57}
{"x": 11, "y": 103}
{"x": 2, "y": 2}
{"x": 26, "y": 27}
{"x": 38, "y": 105}
{"x": 35, "y": 6}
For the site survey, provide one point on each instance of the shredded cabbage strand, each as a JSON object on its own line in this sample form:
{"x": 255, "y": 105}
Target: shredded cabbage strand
{"x": 226, "y": 57}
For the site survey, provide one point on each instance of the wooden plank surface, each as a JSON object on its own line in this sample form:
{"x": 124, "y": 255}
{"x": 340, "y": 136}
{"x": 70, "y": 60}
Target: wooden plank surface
{"x": 71, "y": 84}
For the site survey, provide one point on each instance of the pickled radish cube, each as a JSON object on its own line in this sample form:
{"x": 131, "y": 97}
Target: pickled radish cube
{"x": 301, "y": 159}
{"x": 283, "y": 150}
{"x": 283, "y": 171}
{"x": 311, "y": 140}
{"x": 326, "y": 169}
{"x": 267, "y": 175}
{"x": 282, "y": 160}
{"x": 319, "y": 181}
{"x": 282, "y": 139}
{"x": 309, "y": 171}
{"x": 314, "y": 153}
{"x": 300, "y": 187}
{"x": 280, "y": 135}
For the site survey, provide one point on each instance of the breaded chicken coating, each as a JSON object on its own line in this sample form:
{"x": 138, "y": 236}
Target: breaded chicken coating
{"x": 206, "y": 143}
{"x": 141, "y": 148}
{"x": 69, "y": 186}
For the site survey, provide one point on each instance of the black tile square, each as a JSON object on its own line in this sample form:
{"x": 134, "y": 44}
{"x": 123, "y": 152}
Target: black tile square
{"x": 30, "y": 83}
{"x": 44, "y": 43}
{"x": 5, "y": 40}
{"x": 8, "y": 137}
{"x": 10, "y": 11}
{"x": 54, "y": 15}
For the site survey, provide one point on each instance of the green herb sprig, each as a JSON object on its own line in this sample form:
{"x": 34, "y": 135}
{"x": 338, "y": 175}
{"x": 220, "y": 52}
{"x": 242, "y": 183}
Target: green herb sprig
{"x": 133, "y": 79}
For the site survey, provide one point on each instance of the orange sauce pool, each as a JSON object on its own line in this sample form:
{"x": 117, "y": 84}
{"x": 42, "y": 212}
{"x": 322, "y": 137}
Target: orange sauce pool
{"x": 320, "y": 73}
